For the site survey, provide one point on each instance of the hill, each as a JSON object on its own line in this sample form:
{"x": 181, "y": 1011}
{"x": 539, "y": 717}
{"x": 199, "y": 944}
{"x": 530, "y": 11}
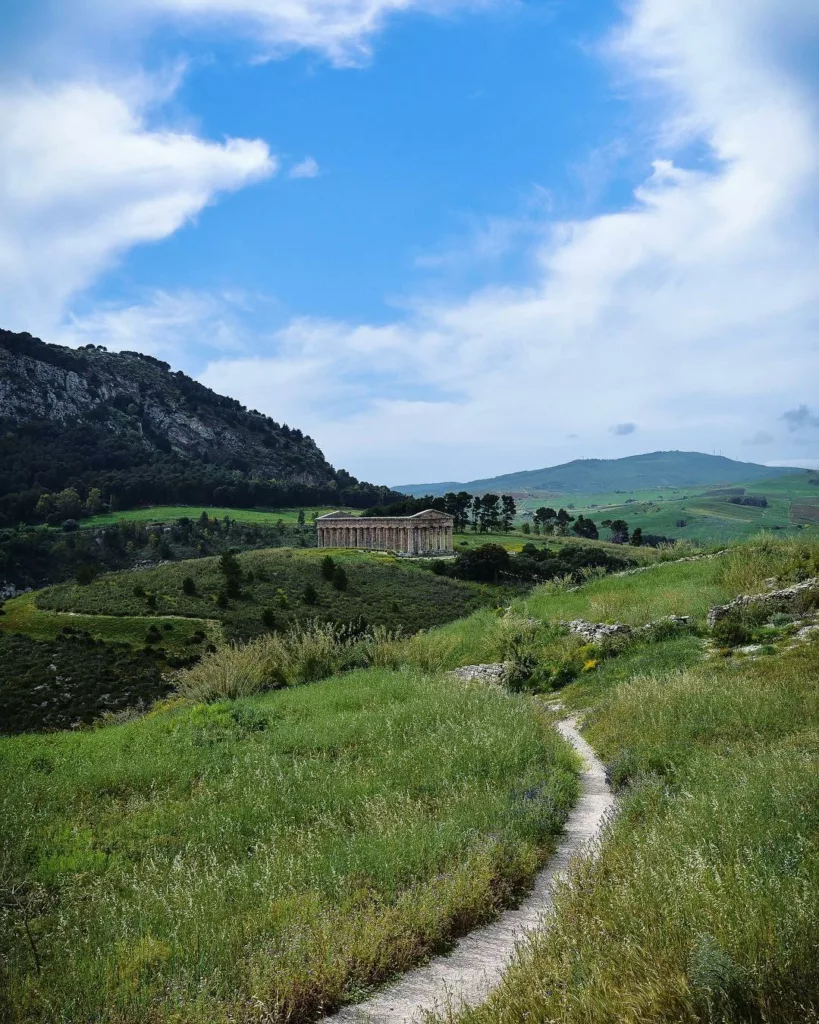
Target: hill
{"x": 634, "y": 472}
{"x": 242, "y": 846}
{"x": 126, "y": 424}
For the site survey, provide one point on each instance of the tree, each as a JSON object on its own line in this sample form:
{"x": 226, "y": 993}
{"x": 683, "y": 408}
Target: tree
{"x": 457, "y": 506}
{"x": 637, "y": 537}
{"x": 310, "y": 594}
{"x": 328, "y": 567}
{"x": 508, "y": 512}
{"x": 526, "y": 528}
{"x": 476, "y": 513}
{"x": 563, "y": 519}
{"x": 269, "y": 618}
{"x": 340, "y": 581}
{"x": 188, "y": 586}
{"x": 300, "y": 518}
{"x": 484, "y": 564}
{"x": 619, "y": 530}
{"x": 545, "y": 518}
{"x": 584, "y": 527}
{"x": 232, "y": 571}
{"x": 94, "y": 503}
{"x": 490, "y": 514}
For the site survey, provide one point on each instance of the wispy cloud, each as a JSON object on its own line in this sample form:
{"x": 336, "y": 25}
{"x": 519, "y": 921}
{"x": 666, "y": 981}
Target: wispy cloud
{"x": 622, "y": 429}
{"x": 342, "y": 30}
{"x": 307, "y": 168}
{"x": 694, "y": 306}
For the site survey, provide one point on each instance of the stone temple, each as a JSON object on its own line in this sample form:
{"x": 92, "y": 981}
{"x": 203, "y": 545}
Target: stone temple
{"x": 425, "y": 533}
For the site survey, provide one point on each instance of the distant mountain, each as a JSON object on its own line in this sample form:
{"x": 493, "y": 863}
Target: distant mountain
{"x": 632, "y": 473}
{"x": 126, "y": 424}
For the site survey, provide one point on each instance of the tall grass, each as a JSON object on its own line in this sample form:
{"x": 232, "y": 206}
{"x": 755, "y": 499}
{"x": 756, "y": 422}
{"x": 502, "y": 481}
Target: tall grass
{"x": 269, "y": 856}
{"x": 702, "y": 906}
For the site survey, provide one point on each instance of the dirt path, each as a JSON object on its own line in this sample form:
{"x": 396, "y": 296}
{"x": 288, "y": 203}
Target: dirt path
{"x": 475, "y": 967}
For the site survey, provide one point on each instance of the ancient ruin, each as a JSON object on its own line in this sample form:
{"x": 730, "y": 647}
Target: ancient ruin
{"x": 425, "y": 533}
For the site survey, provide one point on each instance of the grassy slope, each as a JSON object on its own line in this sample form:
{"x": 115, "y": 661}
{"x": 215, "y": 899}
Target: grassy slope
{"x": 708, "y": 518}
{"x": 167, "y": 513}
{"x": 382, "y": 590}
{"x": 22, "y": 615}
{"x": 281, "y": 852}
{"x": 702, "y": 905}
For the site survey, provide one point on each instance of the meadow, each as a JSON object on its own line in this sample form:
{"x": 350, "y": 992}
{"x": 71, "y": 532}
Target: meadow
{"x": 170, "y": 513}
{"x": 252, "y": 849}
{"x": 708, "y": 517}
{"x": 266, "y": 858}
{"x": 702, "y": 906}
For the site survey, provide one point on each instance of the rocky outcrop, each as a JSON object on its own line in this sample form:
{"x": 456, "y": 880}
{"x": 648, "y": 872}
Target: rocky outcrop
{"x": 796, "y": 597}
{"x": 494, "y": 674}
{"x": 595, "y": 632}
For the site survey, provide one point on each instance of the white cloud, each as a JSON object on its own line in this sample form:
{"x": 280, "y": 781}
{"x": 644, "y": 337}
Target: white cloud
{"x": 341, "y": 29}
{"x": 181, "y": 327}
{"x": 694, "y": 307}
{"x": 307, "y": 168}
{"x": 84, "y": 177}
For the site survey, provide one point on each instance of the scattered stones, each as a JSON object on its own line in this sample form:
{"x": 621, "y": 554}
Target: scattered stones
{"x": 594, "y": 632}
{"x": 772, "y": 600}
{"x": 494, "y": 674}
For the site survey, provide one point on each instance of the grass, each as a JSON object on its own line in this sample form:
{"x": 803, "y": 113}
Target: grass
{"x": 702, "y": 905}
{"x": 268, "y": 857}
{"x": 60, "y": 669}
{"x": 708, "y": 518}
{"x": 381, "y": 591}
{"x": 168, "y": 513}
{"x": 22, "y": 615}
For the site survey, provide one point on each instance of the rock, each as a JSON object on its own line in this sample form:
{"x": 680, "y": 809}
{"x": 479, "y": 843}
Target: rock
{"x": 594, "y": 632}
{"x": 772, "y": 601}
{"x": 495, "y": 674}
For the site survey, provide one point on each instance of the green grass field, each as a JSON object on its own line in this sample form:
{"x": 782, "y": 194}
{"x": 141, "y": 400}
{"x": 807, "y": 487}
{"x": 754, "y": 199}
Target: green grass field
{"x": 283, "y": 852}
{"x": 168, "y": 513}
{"x": 22, "y": 615}
{"x": 708, "y": 518}
{"x": 280, "y": 853}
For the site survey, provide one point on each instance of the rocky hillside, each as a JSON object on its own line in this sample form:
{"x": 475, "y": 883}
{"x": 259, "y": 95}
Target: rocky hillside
{"x": 125, "y": 423}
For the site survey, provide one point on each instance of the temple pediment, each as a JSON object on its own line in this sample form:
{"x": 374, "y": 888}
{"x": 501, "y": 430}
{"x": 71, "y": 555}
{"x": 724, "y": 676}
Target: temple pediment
{"x": 431, "y": 513}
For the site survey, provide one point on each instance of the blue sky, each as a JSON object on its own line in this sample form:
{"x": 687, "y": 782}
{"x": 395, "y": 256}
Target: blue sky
{"x": 447, "y": 238}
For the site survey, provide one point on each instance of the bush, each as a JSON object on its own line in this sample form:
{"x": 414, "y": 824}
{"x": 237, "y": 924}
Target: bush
{"x": 328, "y": 567}
{"x": 188, "y": 586}
{"x": 310, "y": 595}
{"x": 340, "y": 581}
{"x": 269, "y": 618}
{"x": 731, "y": 631}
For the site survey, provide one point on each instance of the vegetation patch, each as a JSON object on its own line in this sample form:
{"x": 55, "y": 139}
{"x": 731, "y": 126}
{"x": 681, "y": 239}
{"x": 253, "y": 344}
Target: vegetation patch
{"x": 257, "y": 591}
{"x": 702, "y": 904}
{"x": 275, "y": 855}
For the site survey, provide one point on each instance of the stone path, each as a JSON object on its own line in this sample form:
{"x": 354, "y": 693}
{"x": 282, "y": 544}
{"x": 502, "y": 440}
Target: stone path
{"x": 475, "y": 966}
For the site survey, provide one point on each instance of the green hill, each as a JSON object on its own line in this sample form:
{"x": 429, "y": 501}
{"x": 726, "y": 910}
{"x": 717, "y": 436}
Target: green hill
{"x": 634, "y": 472}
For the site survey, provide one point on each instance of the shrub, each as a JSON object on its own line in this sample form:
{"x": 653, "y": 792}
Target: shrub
{"x": 310, "y": 595}
{"x": 328, "y": 567}
{"x": 731, "y": 631}
{"x": 269, "y": 618}
{"x": 340, "y": 581}
{"x": 188, "y": 586}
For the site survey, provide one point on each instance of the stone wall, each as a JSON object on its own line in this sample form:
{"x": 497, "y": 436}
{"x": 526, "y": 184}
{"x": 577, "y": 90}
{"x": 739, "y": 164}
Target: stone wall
{"x": 788, "y": 599}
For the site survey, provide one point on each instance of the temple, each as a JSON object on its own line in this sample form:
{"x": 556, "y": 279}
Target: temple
{"x": 425, "y": 533}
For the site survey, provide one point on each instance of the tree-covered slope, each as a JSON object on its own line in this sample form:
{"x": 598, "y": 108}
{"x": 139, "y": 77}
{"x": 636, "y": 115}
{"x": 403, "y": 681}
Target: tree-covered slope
{"x": 126, "y": 424}
{"x": 654, "y": 469}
